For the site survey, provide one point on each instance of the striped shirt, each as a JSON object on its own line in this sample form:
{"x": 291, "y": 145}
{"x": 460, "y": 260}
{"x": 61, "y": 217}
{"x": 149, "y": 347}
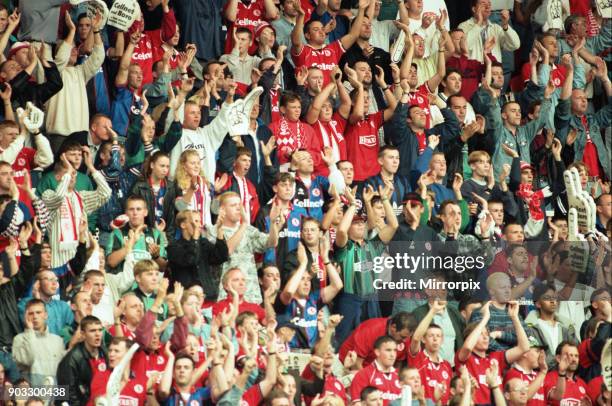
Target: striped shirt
{"x": 357, "y": 262}
{"x": 89, "y": 201}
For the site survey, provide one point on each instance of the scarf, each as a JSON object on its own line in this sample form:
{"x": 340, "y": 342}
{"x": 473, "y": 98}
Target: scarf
{"x": 69, "y": 220}
{"x": 289, "y": 137}
{"x": 532, "y": 199}
{"x": 331, "y": 141}
{"x": 158, "y": 198}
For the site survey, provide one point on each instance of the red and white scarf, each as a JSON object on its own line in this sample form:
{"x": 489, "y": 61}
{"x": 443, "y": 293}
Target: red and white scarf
{"x": 331, "y": 140}
{"x": 70, "y": 217}
{"x": 290, "y": 134}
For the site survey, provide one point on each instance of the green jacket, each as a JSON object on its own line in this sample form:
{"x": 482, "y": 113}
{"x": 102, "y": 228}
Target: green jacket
{"x": 566, "y": 121}
{"x": 519, "y": 142}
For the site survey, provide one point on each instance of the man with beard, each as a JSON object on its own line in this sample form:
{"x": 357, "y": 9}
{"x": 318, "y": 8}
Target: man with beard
{"x": 77, "y": 368}
{"x": 363, "y": 51}
{"x": 562, "y": 385}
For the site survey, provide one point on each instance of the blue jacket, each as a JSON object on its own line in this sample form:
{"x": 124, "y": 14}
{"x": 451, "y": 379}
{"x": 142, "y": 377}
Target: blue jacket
{"x": 59, "y": 314}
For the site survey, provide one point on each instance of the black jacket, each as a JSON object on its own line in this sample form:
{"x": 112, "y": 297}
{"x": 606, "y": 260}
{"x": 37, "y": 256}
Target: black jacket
{"x": 24, "y": 91}
{"x": 11, "y": 291}
{"x": 75, "y": 372}
{"x": 143, "y": 189}
{"x": 190, "y": 263}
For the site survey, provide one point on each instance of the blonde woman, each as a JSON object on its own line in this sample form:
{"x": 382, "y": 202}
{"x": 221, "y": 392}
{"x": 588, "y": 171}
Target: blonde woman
{"x": 197, "y": 192}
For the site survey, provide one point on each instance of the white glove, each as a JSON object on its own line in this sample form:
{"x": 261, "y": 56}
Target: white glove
{"x": 546, "y": 191}
{"x": 579, "y": 247}
{"x": 581, "y": 201}
{"x": 34, "y": 120}
{"x": 239, "y": 113}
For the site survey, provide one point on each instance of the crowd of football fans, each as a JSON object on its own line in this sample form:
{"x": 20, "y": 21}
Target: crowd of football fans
{"x": 193, "y": 208}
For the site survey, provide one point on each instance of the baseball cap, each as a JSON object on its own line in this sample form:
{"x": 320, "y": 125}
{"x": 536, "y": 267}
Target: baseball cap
{"x": 412, "y": 197}
{"x": 525, "y": 165}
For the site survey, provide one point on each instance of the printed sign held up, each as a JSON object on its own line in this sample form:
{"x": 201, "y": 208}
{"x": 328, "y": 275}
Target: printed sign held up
{"x": 123, "y": 14}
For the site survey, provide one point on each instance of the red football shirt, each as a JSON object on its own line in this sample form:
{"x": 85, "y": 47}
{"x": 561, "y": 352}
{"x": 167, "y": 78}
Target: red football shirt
{"x": 594, "y": 388}
{"x": 386, "y": 382}
{"x": 362, "y": 341}
{"x": 331, "y": 385}
{"x": 575, "y": 390}
{"x": 143, "y": 56}
{"x": 362, "y": 146}
{"x": 145, "y": 364}
{"x": 248, "y": 16}
{"x": 558, "y": 74}
{"x": 477, "y": 367}
{"x": 419, "y": 98}
{"x": 134, "y": 393}
{"x": 252, "y": 396}
{"x": 432, "y": 373}
{"x": 325, "y": 58}
{"x": 516, "y": 371}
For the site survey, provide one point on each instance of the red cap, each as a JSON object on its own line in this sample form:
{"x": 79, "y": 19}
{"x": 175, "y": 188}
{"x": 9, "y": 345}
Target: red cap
{"x": 261, "y": 27}
{"x": 17, "y": 46}
{"x": 525, "y": 165}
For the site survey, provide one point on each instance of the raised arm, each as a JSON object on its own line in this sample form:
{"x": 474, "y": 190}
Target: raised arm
{"x": 315, "y": 107}
{"x": 347, "y": 219}
{"x": 126, "y": 58}
{"x": 293, "y": 282}
{"x": 329, "y": 292}
{"x": 387, "y": 232}
{"x": 391, "y": 100}
{"x": 13, "y": 22}
{"x": 349, "y": 39}
{"x": 415, "y": 344}
{"x": 358, "y": 112}
{"x": 298, "y": 31}
{"x": 515, "y": 353}
{"x": 435, "y": 80}
{"x": 472, "y": 339}
{"x": 407, "y": 61}
{"x": 231, "y": 10}
{"x": 271, "y": 10}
